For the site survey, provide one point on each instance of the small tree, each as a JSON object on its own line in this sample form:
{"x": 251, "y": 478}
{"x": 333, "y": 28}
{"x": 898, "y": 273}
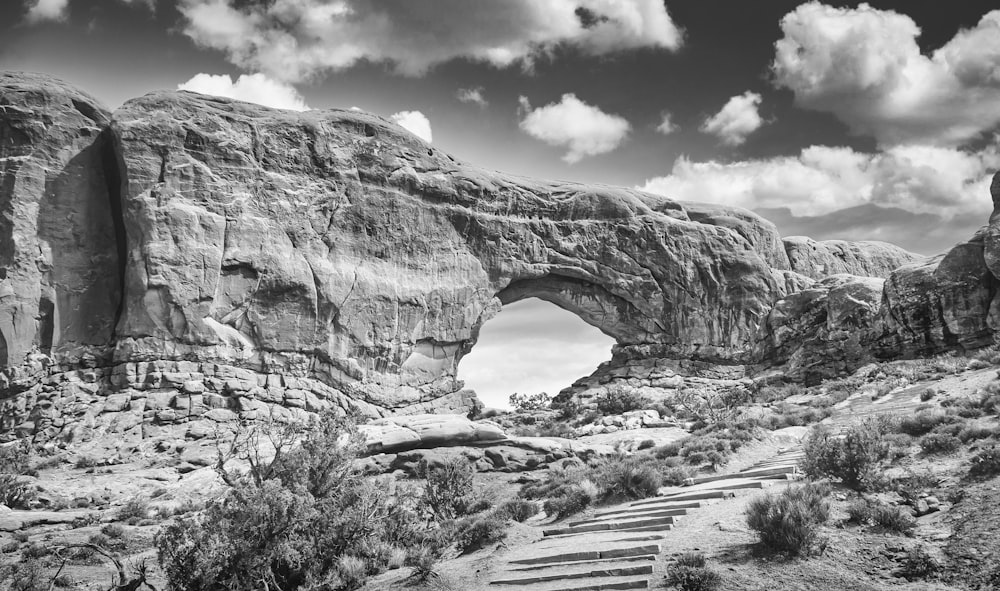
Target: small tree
{"x": 856, "y": 459}
{"x": 301, "y": 517}
{"x": 524, "y": 402}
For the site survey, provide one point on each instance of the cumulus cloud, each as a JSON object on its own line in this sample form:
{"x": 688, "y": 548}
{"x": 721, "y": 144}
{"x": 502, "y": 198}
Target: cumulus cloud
{"x": 253, "y": 88}
{"x": 415, "y": 122}
{"x": 47, "y": 10}
{"x": 584, "y": 129}
{"x": 296, "y": 39}
{"x": 666, "y": 126}
{"x": 820, "y": 180}
{"x": 737, "y": 119}
{"x": 472, "y": 95}
{"x": 864, "y": 66}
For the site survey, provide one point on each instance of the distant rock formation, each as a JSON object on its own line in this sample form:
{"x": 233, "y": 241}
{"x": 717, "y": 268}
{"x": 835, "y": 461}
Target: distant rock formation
{"x": 193, "y": 260}
{"x": 819, "y": 259}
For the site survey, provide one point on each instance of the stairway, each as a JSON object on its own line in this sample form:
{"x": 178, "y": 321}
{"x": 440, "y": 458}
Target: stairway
{"x": 619, "y": 546}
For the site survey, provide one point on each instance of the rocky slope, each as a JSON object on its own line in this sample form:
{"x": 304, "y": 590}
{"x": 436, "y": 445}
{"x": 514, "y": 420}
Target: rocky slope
{"x": 197, "y": 259}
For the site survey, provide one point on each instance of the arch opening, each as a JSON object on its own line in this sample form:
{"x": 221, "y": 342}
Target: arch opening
{"x": 532, "y": 346}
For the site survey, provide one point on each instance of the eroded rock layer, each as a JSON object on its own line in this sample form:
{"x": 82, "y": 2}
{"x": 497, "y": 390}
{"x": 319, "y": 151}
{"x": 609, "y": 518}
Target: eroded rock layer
{"x": 332, "y": 248}
{"x": 190, "y": 260}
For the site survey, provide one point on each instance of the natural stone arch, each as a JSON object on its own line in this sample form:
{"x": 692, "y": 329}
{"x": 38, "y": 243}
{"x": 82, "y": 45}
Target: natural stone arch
{"x": 595, "y": 305}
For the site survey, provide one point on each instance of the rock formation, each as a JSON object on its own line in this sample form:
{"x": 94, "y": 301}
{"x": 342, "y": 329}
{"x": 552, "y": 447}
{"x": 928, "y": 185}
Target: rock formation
{"x": 191, "y": 259}
{"x": 819, "y": 259}
{"x": 233, "y": 259}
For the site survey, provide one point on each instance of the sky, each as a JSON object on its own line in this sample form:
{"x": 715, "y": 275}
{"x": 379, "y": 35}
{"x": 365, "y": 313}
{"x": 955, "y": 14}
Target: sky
{"x": 872, "y": 121}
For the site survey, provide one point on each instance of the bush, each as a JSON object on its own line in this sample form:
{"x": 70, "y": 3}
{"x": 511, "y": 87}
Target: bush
{"x": 302, "y": 519}
{"x": 859, "y": 511}
{"x": 449, "y": 492}
{"x": 690, "y": 573}
{"x": 937, "y": 443}
{"x": 525, "y": 402}
{"x": 517, "y": 509}
{"x": 627, "y": 478}
{"x": 15, "y": 492}
{"x": 133, "y": 511}
{"x": 473, "y": 533}
{"x": 856, "y": 459}
{"x": 892, "y": 518}
{"x": 918, "y": 564}
{"x": 572, "y": 502}
{"x": 986, "y": 463}
{"x": 923, "y": 422}
{"x": 618, "y": 400}
{"x": 927, "y": 394}
{"x": 790, "y": 522}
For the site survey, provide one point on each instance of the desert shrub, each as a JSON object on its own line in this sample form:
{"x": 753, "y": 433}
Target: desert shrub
{"x": 15, "y": 491}
{"x": 776, "y": 392}
{"x": 627, "y": 478}
{"x": 113, "y": 530}
{"x": 859, "y": 511}
{"x": 475, "y": 532}
{"x": 927, "y": 394}
{"x": 449, "y": 490}
{"x": 691, "y": 573}
{"x": 669, "y": 450}
{"x": 302, "y": 518}
{"x": 571, "y": 502}
{"x": 856, "y": 459}
{"x": 918, "y": 564}
{"x": 529, "y": 402}
{"x": 63, "y": 581}
{"x": 892, "y": 518}
{"x": 986, "y": 463}
{"x": 790, "y": 416}
{"x": 519, "y": 510}
{"x": 923, "y": 422}
{"x": 938, "y": 443}
{"x": 675, "y": 475}
{"x": 976, "y": 432}
{"x": 133, "y": 511}
{"x": 36, "y": 550}
{"x": 26, "y": 575}
{"x": 789, "y": 522}
{"x": 87, "y": 462}
{"x": 616, "y": 400}
{"x": 422, "y": 560}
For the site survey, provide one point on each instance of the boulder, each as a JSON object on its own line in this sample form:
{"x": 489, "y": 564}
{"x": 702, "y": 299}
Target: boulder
{"x": 396, "y": 434}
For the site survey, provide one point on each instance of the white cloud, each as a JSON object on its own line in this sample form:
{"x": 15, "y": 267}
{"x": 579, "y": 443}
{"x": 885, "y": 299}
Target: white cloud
{"x": 415, "y": 122}
{"x": 296, "y": 39}
{"x": 253, "y": 88}
{"x": 737, "y": 119}
{"x": 48, "y": 10}
{"x": 864, "y": 66}
{"x": 821, "y": 179}
{"x": 584, "y": 129}
{"x": 472, "y": 95}
{"x": 666, "y": 126}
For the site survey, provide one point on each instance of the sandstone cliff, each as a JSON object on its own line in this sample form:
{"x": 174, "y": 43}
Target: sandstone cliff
{"x": 198, "y": 258}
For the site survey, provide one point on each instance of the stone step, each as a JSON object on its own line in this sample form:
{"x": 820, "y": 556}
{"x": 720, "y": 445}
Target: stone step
{"x": 576, "y": 573}
{"x": 654, "y": 505}
{"x": 601, "y": 584}
{"x": 598, "y": 554}
{"x": 700, "y": 495}
{"x": 628, "y": 524}
{"x": 572, "y": 533}
{"x": 631, "y": 514}
{"x": 648, "y": 558}
{"x": 748, "y": 473}
{"x": 737, "y": 483}
{"x": 603, "y": 539}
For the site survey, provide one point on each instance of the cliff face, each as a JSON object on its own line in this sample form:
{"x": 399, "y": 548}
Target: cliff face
{"x": 247, "y": 259}
{"x": 190, "y": 260}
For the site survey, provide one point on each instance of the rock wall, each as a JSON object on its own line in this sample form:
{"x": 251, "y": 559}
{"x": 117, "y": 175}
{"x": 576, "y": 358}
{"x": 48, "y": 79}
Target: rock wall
{"x": 189, "y": 260}
{"x": 331, "y": 248}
